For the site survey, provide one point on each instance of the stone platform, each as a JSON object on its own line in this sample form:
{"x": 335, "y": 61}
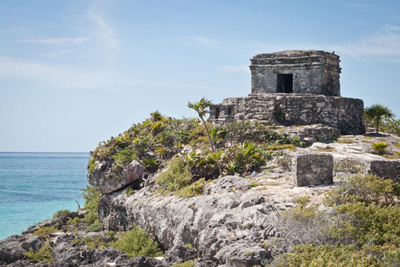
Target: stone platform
{"x": 344, "y": 114}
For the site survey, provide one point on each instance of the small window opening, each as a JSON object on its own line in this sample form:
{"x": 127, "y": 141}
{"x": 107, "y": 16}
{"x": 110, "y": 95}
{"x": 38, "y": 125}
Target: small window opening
{"x": 285, "y": 83}
{"x": 229, "y": 111}
{"x": 217, "y": 111}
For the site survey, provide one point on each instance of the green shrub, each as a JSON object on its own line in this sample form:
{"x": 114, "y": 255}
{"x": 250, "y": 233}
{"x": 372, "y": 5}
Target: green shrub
{"x": 367, "y": 224}
{"x": 60, "y": 213}
{"x": 92, "y": 198}
{"x": 94, "y": 227}
{"x": 192, "y": 190}
{"x": 42, "y": 232}
{"x": 91, "y": 164}
{"x": 392, "y": 257}
{"x": 176, "y": 177}
{"x": 75, "y": 221}
{"x": 42, "y": 255}
{"x": 328, "y": 255}
{"x": 379, "y": 147}
{"x": 244, "y": 158}
{"x": 126, "y": 155}
{"x": 185, "y": 264}
{"x": 360, "y": 188}
{"x": 137, "y": 242}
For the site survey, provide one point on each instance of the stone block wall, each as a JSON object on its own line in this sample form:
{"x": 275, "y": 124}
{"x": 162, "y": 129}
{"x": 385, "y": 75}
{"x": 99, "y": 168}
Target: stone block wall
{"x": 313, "y": 72}
{"x": 385, "y": 168}
{"x": 344, "y": 114}
{"x": 313, "y": 169}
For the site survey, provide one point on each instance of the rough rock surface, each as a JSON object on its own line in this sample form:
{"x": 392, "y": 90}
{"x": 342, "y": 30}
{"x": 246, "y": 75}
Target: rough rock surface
{"x": 226, "y": 227}
{"x": 106, "y": 179}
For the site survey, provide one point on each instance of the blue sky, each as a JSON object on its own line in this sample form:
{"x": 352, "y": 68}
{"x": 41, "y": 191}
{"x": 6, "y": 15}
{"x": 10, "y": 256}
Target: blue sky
{"x": 73, "y": 73}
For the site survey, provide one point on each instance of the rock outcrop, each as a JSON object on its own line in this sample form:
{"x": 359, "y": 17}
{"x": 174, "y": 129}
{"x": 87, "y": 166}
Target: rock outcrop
{"x": 107, "y": 178}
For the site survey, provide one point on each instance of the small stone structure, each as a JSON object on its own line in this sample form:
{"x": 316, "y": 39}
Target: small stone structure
{"x": 385, "y": 168}
{"x": 295, "y": 88}
{"x": 296, "y": 71}
{"x": 313, "y": 169}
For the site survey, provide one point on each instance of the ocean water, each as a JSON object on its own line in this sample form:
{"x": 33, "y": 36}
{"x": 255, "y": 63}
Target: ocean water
{"x": 33, "y": 186}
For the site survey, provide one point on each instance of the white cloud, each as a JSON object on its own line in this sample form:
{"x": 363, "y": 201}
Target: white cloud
{"x": 235, "y": 68}
{"x": 384, "y": 43}
{"x": 56, "y": 41}
{"x": 53, "y": 76}
{"x": 201, "y": 40}
{"x": 60, "y": 77}
{"x": 104, "y": 32}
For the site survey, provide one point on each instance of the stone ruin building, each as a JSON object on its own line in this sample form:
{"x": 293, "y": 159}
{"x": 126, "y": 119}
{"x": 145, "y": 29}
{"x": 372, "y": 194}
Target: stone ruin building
{"x": 295, "y": 87}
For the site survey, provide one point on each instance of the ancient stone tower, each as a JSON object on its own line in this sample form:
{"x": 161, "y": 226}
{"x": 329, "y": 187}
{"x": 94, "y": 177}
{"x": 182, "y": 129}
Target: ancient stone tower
{"x": 295, "y": 87}
{"x": 296, "y": 71}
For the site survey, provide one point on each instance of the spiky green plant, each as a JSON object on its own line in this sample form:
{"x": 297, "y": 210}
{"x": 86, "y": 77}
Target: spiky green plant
{"x": 378, "y": 112}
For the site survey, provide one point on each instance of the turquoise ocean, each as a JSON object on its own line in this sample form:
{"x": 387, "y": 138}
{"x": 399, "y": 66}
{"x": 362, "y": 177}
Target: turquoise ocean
{"x": 33, "y": 186}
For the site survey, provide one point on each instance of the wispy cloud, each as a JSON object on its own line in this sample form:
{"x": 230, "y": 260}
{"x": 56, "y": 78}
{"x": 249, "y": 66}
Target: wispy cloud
{"x": 53, "y": 76}
{"x": 55, "y": 53}
{"x": 104, "y": 32}
{"x": 61, "y": 77}
{"x": 384, "y": 43}
{"x": 201, "y": 41}
{"x": 56, "y": 41}
{"x": 235, "y": 68}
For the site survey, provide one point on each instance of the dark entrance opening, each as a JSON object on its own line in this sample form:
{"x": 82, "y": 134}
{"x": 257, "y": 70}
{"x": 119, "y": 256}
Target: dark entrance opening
{"x": 217, "y": 111}
{"x": 285, "y": 83}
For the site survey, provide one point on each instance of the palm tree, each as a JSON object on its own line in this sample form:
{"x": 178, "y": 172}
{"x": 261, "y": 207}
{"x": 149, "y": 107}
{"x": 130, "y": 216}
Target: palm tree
{"x": 201, "y": 108}
{"x": 378, "y": 112}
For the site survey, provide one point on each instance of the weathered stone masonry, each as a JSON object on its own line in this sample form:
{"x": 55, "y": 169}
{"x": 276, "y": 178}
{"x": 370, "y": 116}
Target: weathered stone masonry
{"x": 345, "y": 114}
{"x": 295, "y": 88}
{"x": 296, "y": 71}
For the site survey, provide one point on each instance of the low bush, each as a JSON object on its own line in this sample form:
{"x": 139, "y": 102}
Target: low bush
{"x": 60, "y": 213}
{"x": 364, "y": 188}
{"x": 92, "y": 198}
{"x": 185, "y": 264}
{"x": 192, "y": 190}
{"x": 362, "y": 224}
{"x": 137, "y": 242}
{"x": 327, "y": 255}
{"x": 94, "y": 227}
{"x": 42, "y": 232}
{"x": 379, "y": 147}
{"x": 176, "y": 177}
{"x": 42, "y": 255}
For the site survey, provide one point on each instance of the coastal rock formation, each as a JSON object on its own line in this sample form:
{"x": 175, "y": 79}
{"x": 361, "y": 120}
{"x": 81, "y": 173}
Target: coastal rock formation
{"x": 107, "y": 178}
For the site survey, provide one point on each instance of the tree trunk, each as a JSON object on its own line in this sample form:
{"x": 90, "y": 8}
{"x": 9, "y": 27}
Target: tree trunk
{"x": 208, "y": 134}
{"x": 211, "y": 143}
{"x": 377, "y": 125}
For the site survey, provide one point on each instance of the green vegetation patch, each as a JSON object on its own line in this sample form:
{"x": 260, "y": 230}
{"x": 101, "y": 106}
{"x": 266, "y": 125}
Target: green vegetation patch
{"x": 328, "y": 255}
{"x": 379, "y": 147}
{"x": 175, "y": 177}
{"x": 92, "y": 198}
{"x": 137, "y": 242}
{"x": 185, "y": 264}
{"x": 94, "y": 227}
{"x": 42, "y": 232}
{"x": 42, "y": 255}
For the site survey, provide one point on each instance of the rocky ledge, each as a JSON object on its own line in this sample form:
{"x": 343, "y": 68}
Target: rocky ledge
{"x": 237, "y": 221}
